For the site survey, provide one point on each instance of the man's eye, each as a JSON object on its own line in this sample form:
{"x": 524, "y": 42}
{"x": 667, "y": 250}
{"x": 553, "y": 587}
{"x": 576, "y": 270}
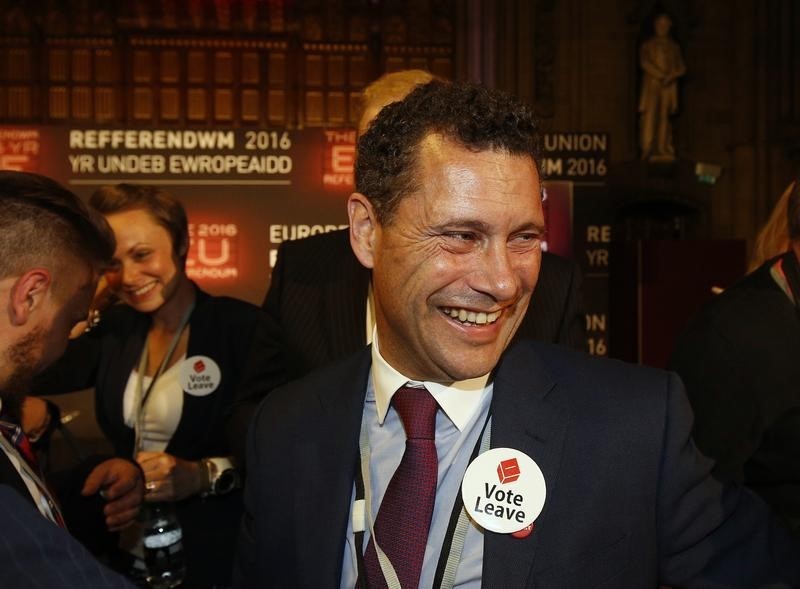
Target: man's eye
{"x": 527, "y": 240}
{"x": 461, "y": 235}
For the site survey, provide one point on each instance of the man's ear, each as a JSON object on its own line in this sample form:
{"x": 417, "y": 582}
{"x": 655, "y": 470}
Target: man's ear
{"x": 28, "y": 294}
{"x": 363, "y": 228}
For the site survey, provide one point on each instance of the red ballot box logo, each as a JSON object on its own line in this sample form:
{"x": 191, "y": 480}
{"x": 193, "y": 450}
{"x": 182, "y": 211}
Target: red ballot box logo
{"x": 508, "y": 471}
{"x": 199, "y": 366}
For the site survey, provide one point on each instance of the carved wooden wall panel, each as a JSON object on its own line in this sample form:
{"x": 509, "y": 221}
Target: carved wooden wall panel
{"x": 18, "y": 74}
{"x": 58, "y": 103}
{"x": 784, "y": 82}
{"x": 177, "y": 62}
{"x": 20, "y": 101}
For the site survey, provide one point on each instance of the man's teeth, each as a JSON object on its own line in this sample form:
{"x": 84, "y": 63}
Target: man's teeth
{"x": 472, "y": 317}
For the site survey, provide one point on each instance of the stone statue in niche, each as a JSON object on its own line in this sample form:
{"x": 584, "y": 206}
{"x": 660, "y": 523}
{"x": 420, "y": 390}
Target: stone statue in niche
{"x": 662, "y": 64}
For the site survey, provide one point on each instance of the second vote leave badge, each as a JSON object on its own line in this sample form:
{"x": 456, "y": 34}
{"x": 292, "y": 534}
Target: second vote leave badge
{"x": 200, "y": 376}
{"x": 503, "y": 490}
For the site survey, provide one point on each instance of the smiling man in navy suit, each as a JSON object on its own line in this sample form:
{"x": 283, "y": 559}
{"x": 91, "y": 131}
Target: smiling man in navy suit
{"x": 319, "y": 306}
{"x": 355, "y": 472}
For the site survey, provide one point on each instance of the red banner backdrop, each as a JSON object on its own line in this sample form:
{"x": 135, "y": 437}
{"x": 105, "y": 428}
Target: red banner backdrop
{"x": 245, "y": 191}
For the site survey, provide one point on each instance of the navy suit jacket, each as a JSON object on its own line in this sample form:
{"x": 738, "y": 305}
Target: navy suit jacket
{"x": 35, "y": 553}
{"x": 11, "y": 478}
{"x": 630, "y": 502}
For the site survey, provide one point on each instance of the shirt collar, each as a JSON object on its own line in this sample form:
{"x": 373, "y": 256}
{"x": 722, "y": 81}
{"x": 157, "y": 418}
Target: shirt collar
{"x": 459, "y": 400}
{"x": 778, "y": 273}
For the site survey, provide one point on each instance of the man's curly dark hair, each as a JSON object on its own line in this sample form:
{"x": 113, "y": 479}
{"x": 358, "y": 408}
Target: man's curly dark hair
{"x": 472, "y": 116}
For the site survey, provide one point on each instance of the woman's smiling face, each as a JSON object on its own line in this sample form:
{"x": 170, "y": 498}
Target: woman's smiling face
{"x": 146, "y": 270}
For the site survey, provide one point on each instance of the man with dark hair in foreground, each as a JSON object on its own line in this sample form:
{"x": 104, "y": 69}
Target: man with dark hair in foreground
{"x": 319, "y": 306}
{"x": 356, "y": 472}
{"x": 51, "y": 252}
{"x": 574, "y": 471}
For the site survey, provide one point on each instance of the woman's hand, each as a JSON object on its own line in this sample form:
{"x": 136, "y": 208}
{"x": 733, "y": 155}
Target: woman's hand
{"x": 169, "y": 478}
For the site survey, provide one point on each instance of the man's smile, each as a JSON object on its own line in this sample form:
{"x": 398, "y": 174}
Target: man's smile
{"x": 471, "y": 317}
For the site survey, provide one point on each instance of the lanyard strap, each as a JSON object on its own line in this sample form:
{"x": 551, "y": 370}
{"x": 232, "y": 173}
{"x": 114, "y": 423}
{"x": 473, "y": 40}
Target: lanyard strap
{"x": 48, "y": 506}
{"x": 141, "y": 394}
{"x": 453, "y": 545}
{"x": 389, "y": 574}
{"x": 457, "y": 532}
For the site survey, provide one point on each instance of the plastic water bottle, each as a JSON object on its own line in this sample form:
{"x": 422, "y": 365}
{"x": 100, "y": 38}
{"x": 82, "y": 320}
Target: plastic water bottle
{"x": 163, "y": 547}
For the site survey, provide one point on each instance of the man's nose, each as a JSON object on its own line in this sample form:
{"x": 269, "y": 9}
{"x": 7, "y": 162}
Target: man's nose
{"x": 497, "y": 276}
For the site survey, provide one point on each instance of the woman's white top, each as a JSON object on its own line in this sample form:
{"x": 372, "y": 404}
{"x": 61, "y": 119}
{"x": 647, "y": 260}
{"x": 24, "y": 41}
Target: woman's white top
{"x": 162, "y": 410}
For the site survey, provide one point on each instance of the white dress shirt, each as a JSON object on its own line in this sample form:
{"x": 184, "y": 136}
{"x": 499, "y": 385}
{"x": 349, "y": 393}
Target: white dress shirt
{"x": 464, "y": 410}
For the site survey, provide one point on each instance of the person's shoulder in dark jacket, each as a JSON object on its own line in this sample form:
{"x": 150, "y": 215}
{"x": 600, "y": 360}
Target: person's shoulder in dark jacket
{"x": 36, "y": 553}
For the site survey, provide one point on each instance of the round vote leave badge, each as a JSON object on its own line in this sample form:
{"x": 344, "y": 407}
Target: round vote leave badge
{"x": 200, "y": 376}
{"x": 503, "y": 490}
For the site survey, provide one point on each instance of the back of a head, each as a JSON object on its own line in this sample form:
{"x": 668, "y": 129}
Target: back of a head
{"x": 793, "y": 211}
{"x": 394, "y": 86}
{"x": 472, "y": 116}
{"x": 388, "y": 88}
{"x": 44, "y": 224}
{"x": 773, "y": 238}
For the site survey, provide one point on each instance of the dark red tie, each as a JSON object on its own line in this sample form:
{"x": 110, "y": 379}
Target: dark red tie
{"x": 404, "y": 517}
{"x": 19, "y": 440}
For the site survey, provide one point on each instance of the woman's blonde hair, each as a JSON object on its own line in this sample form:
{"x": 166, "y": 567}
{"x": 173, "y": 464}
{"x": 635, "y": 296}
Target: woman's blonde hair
{"x": 773, "y": 239}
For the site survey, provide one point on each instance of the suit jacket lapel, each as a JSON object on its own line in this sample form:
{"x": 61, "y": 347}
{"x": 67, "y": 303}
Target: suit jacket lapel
{"x": 527, "y": 415}
{"x": 11, "y": 477}
{"x": 333, "y": 455}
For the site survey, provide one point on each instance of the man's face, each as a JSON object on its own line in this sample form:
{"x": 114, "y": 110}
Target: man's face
{"x": 454, "y": 269}
{"x": 47, "y": 331}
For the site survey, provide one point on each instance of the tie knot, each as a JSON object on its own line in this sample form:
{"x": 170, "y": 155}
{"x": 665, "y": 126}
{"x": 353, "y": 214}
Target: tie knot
{"x": 417, "y": 409}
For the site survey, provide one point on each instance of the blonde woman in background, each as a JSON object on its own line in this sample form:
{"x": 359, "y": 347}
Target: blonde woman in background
{"x": 165, "y": 366}
{"x": 773, "y": 239}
